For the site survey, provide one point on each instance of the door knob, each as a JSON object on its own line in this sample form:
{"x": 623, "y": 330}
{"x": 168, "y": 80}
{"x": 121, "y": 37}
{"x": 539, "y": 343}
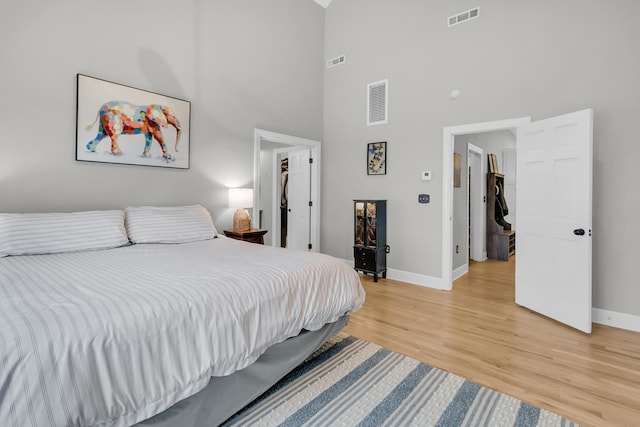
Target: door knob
{"x": 578, "y": 232}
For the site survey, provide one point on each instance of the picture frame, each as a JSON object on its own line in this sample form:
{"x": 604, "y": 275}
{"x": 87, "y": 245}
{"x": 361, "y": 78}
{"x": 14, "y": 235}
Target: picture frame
{"x": 121, "y": 124}
{"x": 377, "y": 158}
{"x": 457, "y": 168}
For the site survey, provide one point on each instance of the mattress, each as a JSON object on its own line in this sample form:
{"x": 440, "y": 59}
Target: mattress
{"x": 112, "y": 337}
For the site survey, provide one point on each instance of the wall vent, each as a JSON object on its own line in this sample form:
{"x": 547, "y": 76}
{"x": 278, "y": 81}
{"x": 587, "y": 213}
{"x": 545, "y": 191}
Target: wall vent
{"x": 338, "y": 60}
{"x": 467, "y": 15}
{"x": 377, "y": 102}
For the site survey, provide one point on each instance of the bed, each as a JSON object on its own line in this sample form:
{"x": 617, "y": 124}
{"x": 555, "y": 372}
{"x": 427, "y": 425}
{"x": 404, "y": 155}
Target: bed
{"x": 112, "y": 318}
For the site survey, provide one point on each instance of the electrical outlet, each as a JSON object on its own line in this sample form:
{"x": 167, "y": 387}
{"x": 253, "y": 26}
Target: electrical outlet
{"x": 423, "y": 198}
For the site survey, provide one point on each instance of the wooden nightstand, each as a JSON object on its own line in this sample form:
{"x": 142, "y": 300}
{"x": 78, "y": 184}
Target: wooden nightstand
{"x": 255, "y": 235}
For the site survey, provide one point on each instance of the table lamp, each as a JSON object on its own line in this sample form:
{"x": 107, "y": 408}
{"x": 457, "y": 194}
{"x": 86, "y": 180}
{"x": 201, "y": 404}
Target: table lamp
{"x": 241, "y": 198}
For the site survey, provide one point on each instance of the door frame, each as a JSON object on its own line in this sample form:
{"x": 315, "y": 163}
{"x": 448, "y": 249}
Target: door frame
{"x": 448, "y": 136}
{"x": 261, "y": 135}
{"x": 477, "y": 201}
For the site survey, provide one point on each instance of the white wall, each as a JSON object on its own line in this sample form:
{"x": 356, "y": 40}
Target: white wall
{"x": 517, "y": 59}
{"x": 242, "y": 63}
{"x": 491, "y": 143}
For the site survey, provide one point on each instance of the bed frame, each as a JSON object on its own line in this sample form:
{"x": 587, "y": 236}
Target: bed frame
{"x": 224, "y": 396}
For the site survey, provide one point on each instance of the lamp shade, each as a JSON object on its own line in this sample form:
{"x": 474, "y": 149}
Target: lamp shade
{"x": 241, "y": 198}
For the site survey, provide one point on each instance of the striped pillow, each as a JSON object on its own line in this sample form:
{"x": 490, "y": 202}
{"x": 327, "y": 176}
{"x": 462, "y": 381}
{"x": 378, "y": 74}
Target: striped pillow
{"x": 169, "y": 224}
{"x": 46, "y": 233}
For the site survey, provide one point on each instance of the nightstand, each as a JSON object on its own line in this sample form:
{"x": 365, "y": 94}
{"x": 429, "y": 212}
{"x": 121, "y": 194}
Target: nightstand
{"x": 255, "y": 235}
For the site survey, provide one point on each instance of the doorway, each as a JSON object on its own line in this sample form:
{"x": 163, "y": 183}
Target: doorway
{"x": 264, "y": 177}
{"x": 449, "y": 134}
{"x": 554, "y": 166}
{"x": 476, "y": 195}
{"x": 291, "y": 212}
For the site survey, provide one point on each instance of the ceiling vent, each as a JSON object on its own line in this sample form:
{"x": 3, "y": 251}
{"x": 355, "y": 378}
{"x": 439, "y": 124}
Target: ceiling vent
{"x": 467, "y": 15}
{"x": 338, "y": 60}
{"x": 377, "y": 103}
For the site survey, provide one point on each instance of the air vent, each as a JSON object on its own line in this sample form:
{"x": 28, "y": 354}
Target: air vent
{"x": 463, "y": 17}
{"x": 377, "y": 103}
{"x": 339, "y": 60}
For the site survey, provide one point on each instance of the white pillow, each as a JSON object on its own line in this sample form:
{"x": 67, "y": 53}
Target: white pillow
{"x": 45, "y": 233}
{"x": 169, "y": 224}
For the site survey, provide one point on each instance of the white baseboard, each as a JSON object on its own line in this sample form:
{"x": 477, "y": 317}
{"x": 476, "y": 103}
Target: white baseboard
{"x": 408, "y": 277}
{"x": 483, "y": 258}
{"x": 460, "y": 271}
{"x": 415, "y": 278}
{"x": 630, "y": 322}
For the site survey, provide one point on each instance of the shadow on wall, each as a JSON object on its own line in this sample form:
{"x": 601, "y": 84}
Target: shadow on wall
{"x": 159, "y": 73}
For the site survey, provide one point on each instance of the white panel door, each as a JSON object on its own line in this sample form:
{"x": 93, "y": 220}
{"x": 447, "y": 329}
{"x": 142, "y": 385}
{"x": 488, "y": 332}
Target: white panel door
{"x": 477, "y": 204}
{"x": 509, "y": 171}
{"x": 299, "y": 196}
{"x": 553, "y": 239}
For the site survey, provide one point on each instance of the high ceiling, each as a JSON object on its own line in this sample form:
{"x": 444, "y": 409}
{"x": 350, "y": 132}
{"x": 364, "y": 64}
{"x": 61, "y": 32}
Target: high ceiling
{"x": 323, "y": 3}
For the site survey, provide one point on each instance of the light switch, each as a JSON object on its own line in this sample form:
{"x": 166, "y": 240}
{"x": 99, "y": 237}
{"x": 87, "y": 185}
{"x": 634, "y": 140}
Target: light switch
{"x": 426, "y": 175}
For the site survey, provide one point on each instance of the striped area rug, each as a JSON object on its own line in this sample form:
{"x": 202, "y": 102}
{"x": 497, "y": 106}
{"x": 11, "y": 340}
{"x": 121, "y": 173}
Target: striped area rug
{"x": 351, "y": 382}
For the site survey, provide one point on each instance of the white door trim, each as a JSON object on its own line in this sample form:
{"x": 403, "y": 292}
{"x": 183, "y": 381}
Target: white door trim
{"x": 315, "y": 147}
{"x": 448, "y": 135}
{"x": 478, "y": 249}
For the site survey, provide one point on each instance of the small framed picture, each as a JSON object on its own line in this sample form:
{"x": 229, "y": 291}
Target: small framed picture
{"x": 377, "y": 158}
{"x": 457, "y": 168}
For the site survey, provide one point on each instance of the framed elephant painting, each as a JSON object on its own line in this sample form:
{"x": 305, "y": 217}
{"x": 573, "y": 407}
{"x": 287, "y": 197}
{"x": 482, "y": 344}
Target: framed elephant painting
{"x": 122, "y": 124}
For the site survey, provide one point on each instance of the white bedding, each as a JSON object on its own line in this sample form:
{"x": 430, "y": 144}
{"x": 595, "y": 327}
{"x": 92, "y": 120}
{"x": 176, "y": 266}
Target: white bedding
{"x": 113, "y": 337}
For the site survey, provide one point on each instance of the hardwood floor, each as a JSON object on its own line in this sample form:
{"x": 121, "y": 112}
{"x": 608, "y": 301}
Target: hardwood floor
{"x": 478, "y": 332}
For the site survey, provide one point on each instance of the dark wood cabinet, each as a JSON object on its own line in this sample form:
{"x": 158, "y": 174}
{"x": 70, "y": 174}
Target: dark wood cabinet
{"x": 370, "y": 237}
{"x": 501, "y": 239}
{"x": 255, "y": 235}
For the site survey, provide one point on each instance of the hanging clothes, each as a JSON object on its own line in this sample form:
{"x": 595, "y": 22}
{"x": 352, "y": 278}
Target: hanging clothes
{"x": 501, "y": 209}
{"x": 500, "y": 197}
{"x": 284, "y": 202}
{"x": 284, "y": 181}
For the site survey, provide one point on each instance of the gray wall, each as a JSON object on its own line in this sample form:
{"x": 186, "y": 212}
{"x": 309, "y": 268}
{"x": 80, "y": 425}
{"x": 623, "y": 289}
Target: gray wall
{"x": 517, "y": 59}
{"x": 242, "y": 63}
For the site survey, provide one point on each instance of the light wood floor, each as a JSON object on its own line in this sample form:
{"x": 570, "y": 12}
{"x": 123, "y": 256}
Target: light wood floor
{"x": 478, "y": 332}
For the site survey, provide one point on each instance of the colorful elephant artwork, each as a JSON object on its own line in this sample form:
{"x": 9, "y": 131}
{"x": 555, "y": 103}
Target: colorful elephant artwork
{"x": 122, "y": 118}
